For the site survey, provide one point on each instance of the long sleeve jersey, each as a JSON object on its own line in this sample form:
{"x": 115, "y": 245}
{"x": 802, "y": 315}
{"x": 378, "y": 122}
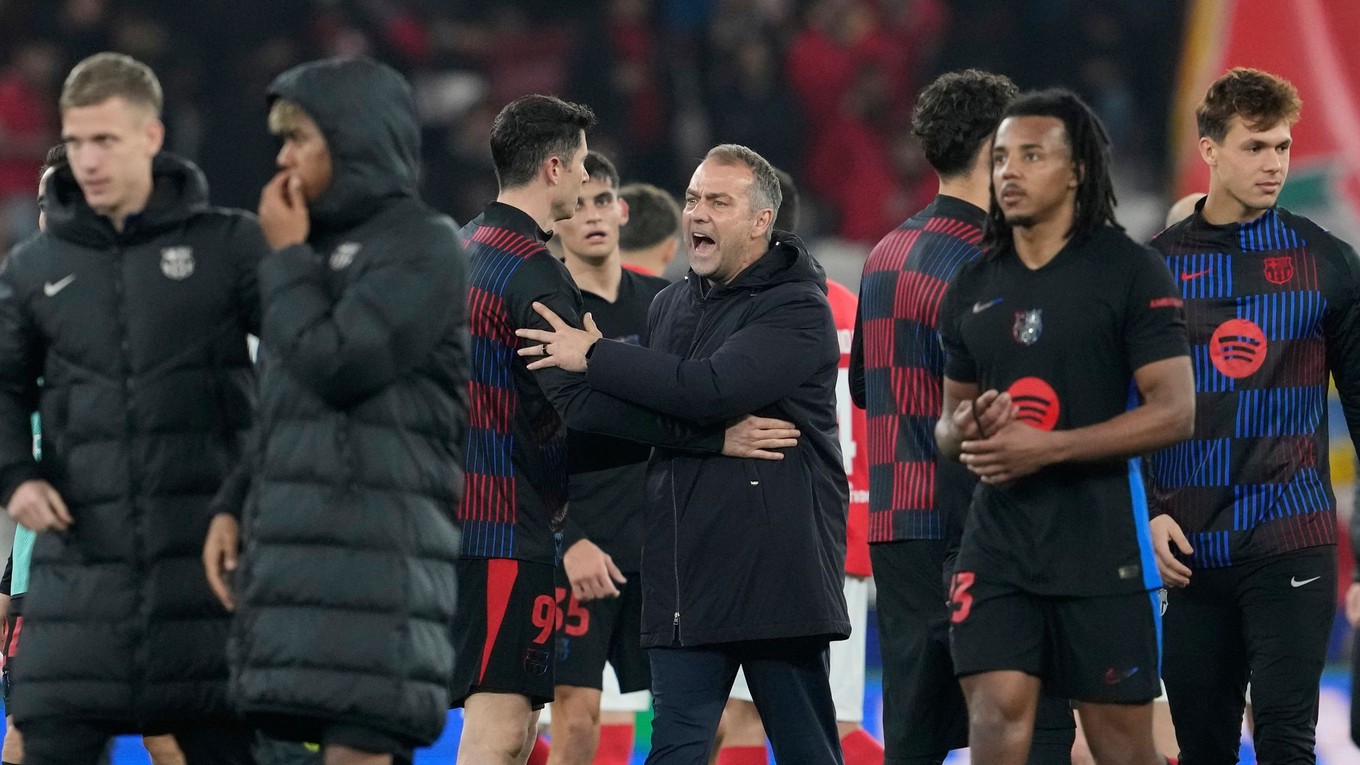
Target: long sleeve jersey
{"x": 897, "y": 370}
{"x": 1271, "y": 308}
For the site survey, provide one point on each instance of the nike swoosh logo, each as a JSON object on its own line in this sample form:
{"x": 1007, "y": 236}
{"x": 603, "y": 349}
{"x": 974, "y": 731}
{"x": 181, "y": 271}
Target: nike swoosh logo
{"x": 1114, "y": 677}
{"x": 1296, "y": 583}
{"x": 980, "y": 307}
{"x": 1186, "y": 276}
{"x": 52, "y": 288}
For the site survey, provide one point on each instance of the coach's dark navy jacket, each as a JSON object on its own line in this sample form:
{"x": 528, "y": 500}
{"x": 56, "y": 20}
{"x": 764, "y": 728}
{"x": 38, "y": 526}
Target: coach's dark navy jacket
{"x": 741, "y": 549}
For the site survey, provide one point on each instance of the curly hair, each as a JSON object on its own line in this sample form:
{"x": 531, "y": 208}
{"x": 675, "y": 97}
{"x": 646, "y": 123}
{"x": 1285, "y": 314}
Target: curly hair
{"x": 1089, "y": 144}
{"x": 1260, "y": 98}
{"x": 956, "y": 113}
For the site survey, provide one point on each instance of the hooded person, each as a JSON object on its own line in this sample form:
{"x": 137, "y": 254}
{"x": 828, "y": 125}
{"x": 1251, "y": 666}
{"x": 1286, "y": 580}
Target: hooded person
{"x": 345, "y": 589}
{"x": 124, "y": 325}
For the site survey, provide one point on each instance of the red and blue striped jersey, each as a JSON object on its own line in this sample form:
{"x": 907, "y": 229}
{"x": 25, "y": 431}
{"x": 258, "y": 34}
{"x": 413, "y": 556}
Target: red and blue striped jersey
{"x": 1271, "y": 308}
{"x": 515, "y": 496}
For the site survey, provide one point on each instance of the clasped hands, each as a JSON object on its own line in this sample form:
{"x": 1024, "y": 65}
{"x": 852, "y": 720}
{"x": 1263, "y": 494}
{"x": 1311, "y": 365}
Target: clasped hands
{"x": 996, "y": 445}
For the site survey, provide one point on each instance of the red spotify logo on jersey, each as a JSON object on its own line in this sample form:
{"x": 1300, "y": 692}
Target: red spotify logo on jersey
{"x": 1237, "y": 348}
{"x": 1036, "y": 402}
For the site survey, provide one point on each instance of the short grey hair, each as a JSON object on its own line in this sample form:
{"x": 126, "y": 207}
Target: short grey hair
{"x": 764, "y": 193}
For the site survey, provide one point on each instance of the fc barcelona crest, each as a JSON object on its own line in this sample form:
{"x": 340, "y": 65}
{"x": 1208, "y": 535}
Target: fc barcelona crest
{"x": 1279, "y": 270}
{"x": 344, "y": 255}
{"x": 177, "y": 262}
{"x": 1029, "y": 325}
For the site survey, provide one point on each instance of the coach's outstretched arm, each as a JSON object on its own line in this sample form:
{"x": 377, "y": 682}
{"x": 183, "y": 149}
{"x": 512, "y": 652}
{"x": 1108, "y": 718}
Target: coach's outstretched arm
{"x": 760, "y": 364}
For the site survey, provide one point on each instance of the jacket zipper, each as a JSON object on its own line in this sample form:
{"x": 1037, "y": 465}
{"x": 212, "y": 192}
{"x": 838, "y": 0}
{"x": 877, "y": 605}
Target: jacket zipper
{"x": 675, "y": 560}
{"x": 137, "y": 664}
{"x": 675, "y": 506}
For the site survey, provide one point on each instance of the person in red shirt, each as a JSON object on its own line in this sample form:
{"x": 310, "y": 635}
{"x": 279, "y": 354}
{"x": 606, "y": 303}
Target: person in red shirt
{"x": 26, "y": 133}
{"x": 741, "y": 737}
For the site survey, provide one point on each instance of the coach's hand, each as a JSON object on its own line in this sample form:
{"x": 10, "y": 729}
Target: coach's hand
{"x": 37, "y": 506}
{"x": 565, "y": 346}
{"x": 219, "y": 556}
{"x": 283, "y": 211}
{"x": 591, "y": 571}
{"x": 755, "y": 437}
{"x": 1165, "y": 530}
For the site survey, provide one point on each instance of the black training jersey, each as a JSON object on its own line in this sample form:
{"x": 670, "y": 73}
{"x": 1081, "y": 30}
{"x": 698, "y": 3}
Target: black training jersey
{"x": 1064, "y": 340}
{"x": 608, "y": 474}
{"x": 1271, "y": 306}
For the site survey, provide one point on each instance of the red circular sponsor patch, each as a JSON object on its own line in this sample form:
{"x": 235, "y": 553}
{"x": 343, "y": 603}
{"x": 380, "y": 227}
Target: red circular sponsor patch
{"x": 1036, "y": 401}
{"x": 1237, "y": 348}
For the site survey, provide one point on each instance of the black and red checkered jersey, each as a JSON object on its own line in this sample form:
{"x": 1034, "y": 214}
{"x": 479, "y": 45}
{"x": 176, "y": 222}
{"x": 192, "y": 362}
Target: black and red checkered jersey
{"x": 896, "y": 367}
{"x": 1271, "y": 308}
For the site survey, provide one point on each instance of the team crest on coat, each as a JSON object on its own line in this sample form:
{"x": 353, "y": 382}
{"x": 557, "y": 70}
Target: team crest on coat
{"x": 177, "y": 262}
{"x": 1029, "y": 325}
{"x": 344, "y": 255}
{"x": 537, "y": 661}
{"x": 1279, "y": 270}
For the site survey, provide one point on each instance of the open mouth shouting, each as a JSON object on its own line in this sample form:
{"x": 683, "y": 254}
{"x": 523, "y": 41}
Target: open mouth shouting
{"x": 702, "y": 244}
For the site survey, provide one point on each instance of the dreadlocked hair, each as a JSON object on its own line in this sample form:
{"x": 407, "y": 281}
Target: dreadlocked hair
{"x": 1089, "y": 144}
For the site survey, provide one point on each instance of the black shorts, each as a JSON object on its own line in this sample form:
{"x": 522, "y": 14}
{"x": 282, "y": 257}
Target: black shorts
{"x": 1104, "y": 649}
{"x": 504, "y": 629}
{"x": 9, "y": 648}
{"x": 608, "y": 629}
{"x": 279, "y": 738}
{"x": 923, "y": 709}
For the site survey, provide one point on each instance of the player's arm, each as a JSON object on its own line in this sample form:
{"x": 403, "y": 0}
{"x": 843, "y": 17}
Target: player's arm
{"x": 538, "y": 281}
{"x": 1343, "y": 341}
{"x": 349, "y": 347}
{"x": 19, "y": 372}
{"x": 28, "y": 497}
{"x": 1165, "y": 416}
{"x": 858, "y": 392}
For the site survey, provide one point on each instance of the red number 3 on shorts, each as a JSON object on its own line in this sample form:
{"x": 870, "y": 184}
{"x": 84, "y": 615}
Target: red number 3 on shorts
{"x": 960, "y": 601}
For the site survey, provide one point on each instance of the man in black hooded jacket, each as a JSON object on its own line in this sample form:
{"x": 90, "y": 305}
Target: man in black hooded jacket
{"x": 346, "y": 583}
{"x": 125, "y": 325}
{"x": 743, "y": 561}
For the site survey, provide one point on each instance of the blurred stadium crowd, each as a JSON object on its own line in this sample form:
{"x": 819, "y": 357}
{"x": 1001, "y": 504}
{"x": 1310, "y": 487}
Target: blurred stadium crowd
{"x": 822, "y": 87}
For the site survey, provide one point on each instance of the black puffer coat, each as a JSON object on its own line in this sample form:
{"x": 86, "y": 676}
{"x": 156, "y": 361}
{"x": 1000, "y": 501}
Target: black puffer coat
{"x": 140, "y": 340}
{"x": 346, "y": 590}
